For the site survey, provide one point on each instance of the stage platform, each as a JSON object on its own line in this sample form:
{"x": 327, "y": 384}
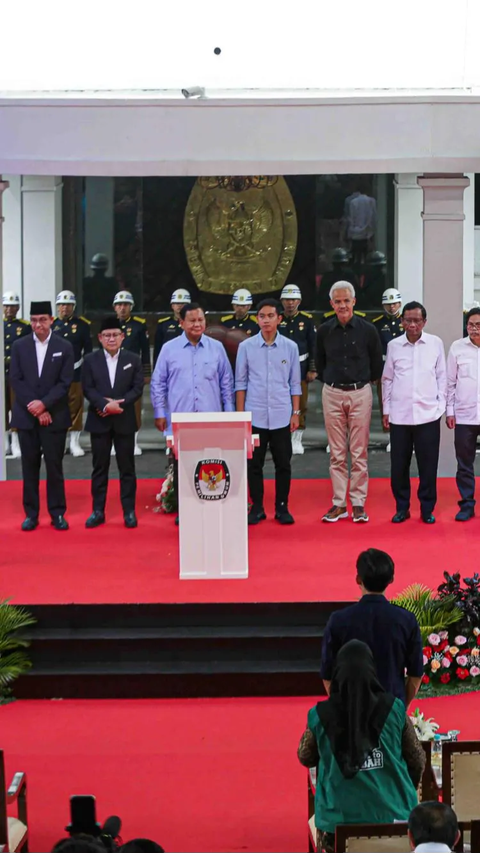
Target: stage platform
{"x": 114, "y": 620}
{"x": 309, "y": 561}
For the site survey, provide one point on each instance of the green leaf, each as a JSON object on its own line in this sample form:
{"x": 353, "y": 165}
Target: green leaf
{"x": 433, "y": 614}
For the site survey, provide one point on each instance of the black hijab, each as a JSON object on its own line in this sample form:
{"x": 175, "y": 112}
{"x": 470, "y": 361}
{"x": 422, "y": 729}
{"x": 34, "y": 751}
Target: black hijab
{"x": 355, "y": 714}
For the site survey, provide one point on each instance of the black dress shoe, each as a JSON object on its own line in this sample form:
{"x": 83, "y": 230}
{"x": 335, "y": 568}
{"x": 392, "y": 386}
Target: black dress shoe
{"x": 130, "y": 519}
{"x": 256, "y": 514}
{"x": 283, "y": 515}
{"x": 400, "y": 516}
{"x": 29, "y": 524}
{"x": 59, "y": 523}
{"x": 95, "y": 519}
{"x": 464, "y": 514}
{"x": 428, "y": 519}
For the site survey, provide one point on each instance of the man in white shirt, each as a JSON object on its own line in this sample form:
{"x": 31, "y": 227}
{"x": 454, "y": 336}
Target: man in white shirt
{"x": 433, "y": 828}
{"x": 463, "y": 409}
{"x": 414, "y": 388}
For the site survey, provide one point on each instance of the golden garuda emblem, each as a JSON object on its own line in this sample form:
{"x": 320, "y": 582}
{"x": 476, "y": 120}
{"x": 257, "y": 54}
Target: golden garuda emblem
{"x": 243, "y": 238}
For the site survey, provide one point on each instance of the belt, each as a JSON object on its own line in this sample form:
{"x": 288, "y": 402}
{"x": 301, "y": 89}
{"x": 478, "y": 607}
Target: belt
{"x": 78, "y": 364}
{"x": 304, "y": 356}
{"x": 355, "y": 387}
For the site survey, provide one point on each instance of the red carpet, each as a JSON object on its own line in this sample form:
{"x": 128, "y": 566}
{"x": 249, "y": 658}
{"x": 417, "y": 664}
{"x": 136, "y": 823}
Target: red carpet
{"x": 309, "y": 561}
{"x": 197, "y": 775}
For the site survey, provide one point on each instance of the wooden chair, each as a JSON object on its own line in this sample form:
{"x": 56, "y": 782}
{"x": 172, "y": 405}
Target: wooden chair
{"x": 13, "y": 830}
{"x": 428, "y": 789}
{"x": 461, "y": 778}
{"x": 392, "y": 838}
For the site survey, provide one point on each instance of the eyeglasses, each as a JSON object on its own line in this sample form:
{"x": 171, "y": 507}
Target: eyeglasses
{"x": 473, "y": 326}
{"x": 111, "y": 336}
{"x": 412, "y": 322}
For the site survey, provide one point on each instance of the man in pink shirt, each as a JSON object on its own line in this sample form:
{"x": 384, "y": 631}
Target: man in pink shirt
{"x": 414, "y": 386}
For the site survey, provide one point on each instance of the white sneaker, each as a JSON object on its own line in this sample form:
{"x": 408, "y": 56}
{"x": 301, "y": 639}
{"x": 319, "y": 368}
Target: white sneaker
{"x": 388, "y": 447}
{"x": 75, "y": 448}
{"x": 297, "y": 446}
{"x": 327, "y": 449}
{"x": 16, "y": 452}
{"x": 137, "y": 449}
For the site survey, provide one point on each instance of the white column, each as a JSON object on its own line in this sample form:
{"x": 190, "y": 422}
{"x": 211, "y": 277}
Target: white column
{"x": 99, "y": 220}
{"x": 3, "y": 464}
{"x": 408, "y": 237}
{"x": 443, "y": 224}
{"x": 469, "y": 242}
{"x": 12, "y": 239}
{"x": 41, "y": 238}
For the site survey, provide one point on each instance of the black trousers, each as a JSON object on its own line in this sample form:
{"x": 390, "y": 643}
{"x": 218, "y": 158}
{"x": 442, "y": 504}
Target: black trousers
{"x": 32, "y": 443}
{"x": 280, "y": 442}
{"x": 425, "y": 440}
{"x": 101, "y": 449}
{"x": 465, "y": 449}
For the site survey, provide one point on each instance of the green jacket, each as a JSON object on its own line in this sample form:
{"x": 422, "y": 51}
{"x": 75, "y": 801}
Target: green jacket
{"x": 382, "y": 790}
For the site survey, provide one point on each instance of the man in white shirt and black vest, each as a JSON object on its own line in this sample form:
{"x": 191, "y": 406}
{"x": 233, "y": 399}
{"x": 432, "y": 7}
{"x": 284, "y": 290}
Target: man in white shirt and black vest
{"x": 463, "y": 409}
{"x": 414, "y": 386}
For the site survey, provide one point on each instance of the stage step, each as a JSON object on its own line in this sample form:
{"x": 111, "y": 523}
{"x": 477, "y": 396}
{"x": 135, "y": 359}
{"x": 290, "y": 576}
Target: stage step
{"x": 112, "y": 651}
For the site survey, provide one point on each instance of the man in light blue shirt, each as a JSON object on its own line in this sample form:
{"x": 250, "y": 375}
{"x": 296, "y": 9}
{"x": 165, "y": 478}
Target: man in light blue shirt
{"x": 192, "y": 373}
{"x": 267, "y": 384}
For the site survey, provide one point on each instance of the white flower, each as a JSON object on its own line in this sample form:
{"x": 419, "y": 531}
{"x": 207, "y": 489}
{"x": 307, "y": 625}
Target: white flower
{"x": 425, "y": 729}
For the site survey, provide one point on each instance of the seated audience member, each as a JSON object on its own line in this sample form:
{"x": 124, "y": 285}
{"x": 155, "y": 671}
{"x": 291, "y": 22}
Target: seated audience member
{"x": 369, "y": 760}
{"x": 141, "y": 845}
{"x": 79, "y": 844}
{"x": 391, "y": 632}
{"x": 433, "y": 827}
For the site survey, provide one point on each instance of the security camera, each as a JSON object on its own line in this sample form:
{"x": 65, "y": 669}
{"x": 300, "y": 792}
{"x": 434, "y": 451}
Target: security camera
{"x": 194, "y": 92}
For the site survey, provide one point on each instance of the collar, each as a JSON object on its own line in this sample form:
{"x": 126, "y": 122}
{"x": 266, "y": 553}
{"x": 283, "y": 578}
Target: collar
{"x": 66, "y": 320}
{"x": 263, "y": 342}
{"x": 187, "y": 343}
{"x": 406, "y": 342}
{"x": 372, "y": 598}
{"x": 468, "y": 342}
{"x": 432, "y": 847}
{"x": 127, "y": 320}
{"x": 42, "y": 343}
{"x": 352, "y": 322}
{"x": 292, "y": 317}
{"x": 112, "y": 357}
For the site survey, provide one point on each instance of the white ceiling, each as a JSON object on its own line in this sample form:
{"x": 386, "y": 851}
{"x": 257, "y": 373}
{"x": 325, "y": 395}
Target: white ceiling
{"x": 154, "y": 44}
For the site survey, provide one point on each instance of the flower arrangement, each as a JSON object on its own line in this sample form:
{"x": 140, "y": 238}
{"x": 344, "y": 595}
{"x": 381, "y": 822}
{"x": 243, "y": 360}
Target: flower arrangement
{"x": 166, "y": 496}
{"x": 450, "y": 658}
{"x": 424, "y": 729}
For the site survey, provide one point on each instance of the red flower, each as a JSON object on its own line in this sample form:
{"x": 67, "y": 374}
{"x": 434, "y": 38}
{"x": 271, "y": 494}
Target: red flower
{"x": 448, "y": 656}
{"x": 443, "y": 646}
{"x": 445, "y": 678}
{"x": 462, "y": 673}
{"x": 428, "y": 652}
{"x": 426, "y": 679}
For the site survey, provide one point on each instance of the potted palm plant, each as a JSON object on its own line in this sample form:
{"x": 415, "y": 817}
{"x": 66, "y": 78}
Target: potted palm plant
{"x": 433, "y": 614}
{"x": 13, "y": 660}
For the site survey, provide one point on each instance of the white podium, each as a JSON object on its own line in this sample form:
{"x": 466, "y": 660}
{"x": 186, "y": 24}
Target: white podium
{"x": 212, "y": 450}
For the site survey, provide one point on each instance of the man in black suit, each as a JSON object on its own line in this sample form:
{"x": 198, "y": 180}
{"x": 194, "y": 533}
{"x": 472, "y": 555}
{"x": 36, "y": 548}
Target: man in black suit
{"x": 41, "y": 371}
{"x": 112, "y": 380}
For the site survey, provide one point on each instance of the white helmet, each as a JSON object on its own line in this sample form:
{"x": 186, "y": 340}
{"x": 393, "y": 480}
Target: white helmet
{"x": 123, "y": 296}
{"x": 66, "y": 297}
{"x": 242, "y": 297}
{"x": 180, "y": 297}
{"x": 391, "y": 295}
{"x": 10, "y": 298}
{"x": 291, "y": 291}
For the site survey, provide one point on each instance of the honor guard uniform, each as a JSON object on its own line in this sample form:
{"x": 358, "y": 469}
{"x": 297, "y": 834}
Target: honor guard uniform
{"x": 76, "y": 330}
{"x": 389, "y": 324}
{"x": 240, "y": 319}
{"x": 299, "y": 327}
{"x": 169, "y": 328}
{"x": 136, "y": 340}
{"x": 13, "y": 329}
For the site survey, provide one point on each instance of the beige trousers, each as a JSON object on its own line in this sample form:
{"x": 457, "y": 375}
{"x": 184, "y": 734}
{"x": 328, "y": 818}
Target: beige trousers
{"x": 347, "y": 417}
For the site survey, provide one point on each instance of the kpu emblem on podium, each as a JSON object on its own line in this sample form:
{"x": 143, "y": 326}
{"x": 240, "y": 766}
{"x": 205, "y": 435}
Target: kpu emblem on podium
{"x": 212, "y": 479}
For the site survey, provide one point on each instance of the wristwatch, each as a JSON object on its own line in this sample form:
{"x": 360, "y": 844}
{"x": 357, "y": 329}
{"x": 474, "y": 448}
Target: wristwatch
{"x": 297, "y": 412}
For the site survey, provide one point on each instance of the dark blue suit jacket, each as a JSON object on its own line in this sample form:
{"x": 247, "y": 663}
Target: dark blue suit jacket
{"x": 128, "y": 386}
{"x": 51, "y": 387}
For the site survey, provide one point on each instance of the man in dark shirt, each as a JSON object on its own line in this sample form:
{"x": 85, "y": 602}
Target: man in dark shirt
{"x": 349, "y": 358}
{"x": 391, "y": 632}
